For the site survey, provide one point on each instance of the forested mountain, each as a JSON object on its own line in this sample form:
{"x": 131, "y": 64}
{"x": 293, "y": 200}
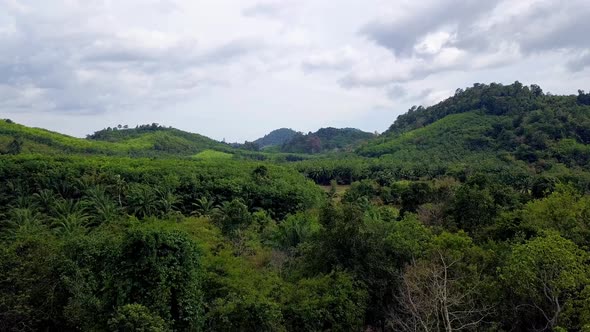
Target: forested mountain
{"x": 276, "y": 137}
{"x": 469, "y": 215}
{"x": 493, "y": 122}
{"x": 486, "y": 128}
{"x": 326, "y": 140}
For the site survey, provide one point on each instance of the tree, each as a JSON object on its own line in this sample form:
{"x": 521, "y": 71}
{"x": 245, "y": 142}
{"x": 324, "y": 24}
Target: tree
{"x": 442, "y": 291}
{"x": 143, "y": 201}
{"x": 136, "y": 318}
{"x": 145, "y": 265}
{"x": 296, "y": 229}
{"x": 332, "y": 302}
{"x": 544, "y": 273}
{"x": 260, "y": 173}
{"x": 351, "y": 242}
{"x": 472, "y": 208}
{"x": 583, "y": 98}
{"x": 536, "y": 90}
{"x": 16, "y": 146}
{"x": 102, "y": 206}
{"x": 232, "y": 216}
{"x": 314, "y": 144}
{"x": 167, "y": 202}
{"x": 204, "y": 207}
{"x": 565, "y": 211}
{"x": 250, "y": 146}
{"x": 69, "y": 217}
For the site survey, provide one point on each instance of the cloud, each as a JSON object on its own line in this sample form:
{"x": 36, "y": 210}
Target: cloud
{"x": 401, "y": 35}
{"x": 580, "y": 62}
{"x": 269, "y": 9}
{"x": 397, "y": 92}
{"x": 331, "y": 60}
{"x": 424, "y": 96}
{"x": 230, "y": 51}
{"x": 248, "y": 65}
{"x": 77, "y": 68}
{"x": 465, "y": 35}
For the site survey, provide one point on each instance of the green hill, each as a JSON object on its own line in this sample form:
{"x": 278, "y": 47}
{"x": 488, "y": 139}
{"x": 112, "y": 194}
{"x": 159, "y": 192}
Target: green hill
{"x": 492, "y": 121}
{"x": 147, "y": 140}
{"x": 326, "y": 140}
{"x": 512, "y": 131}
{"x": 276, "y": 137}
{"x": 160, "y": 139}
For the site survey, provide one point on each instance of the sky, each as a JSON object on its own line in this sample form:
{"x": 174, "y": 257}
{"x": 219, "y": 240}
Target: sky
{"x": 237, "y": 69}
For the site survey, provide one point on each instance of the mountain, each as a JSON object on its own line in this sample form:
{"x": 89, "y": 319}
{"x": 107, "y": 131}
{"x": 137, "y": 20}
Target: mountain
{"x": 326, "y": 140}
{"x": 145, "y": 140}
{"x": 494, "y": 122}
{"x": 276, "y": 137}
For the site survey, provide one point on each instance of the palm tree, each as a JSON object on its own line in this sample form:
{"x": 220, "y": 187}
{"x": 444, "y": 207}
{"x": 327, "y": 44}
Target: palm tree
{"x": 70, "y": 224}
{"x": 143, "y": 201}
{"x": 45, "y": 198}
{"x": 69, "y": 216}
{"x": 167, "y": 201}
{"x": 232, "y": 215}
{"x": 63, "y": 187}
{"x": 204, "y": 207}
{"x": 23, "y": 202}
{"x": 102, "y": 206}
{"x": 21, "y": 220}
{"x": 121, "y": 186}
{"x": 294, "y": 231}
{"x": 17, "y": 187}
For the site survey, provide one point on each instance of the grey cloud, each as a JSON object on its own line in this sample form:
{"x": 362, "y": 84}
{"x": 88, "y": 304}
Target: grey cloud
{"x": 545, "y": 26}
{"x": 230, "y": 51}
{"x": 572, "y": 34}
{"x": 422, "y": 95}
{"x": 81, "y": 71}
{"x": 541, "y": 27}
{"x": 396, "y": 92}
{"x": 352, "y": 80}
{"x": 174, "y": 58}
{"x": 401, "y": 35}
{"x": 399, "y": 93}
{"x": 120, "y": 55}
{"x": 336, "y": 60}
{"x": 380, "y": 79}
{"x": 579, "y": 63}
{"x": 311, "y": 66}
{"x": 270, "y": 9}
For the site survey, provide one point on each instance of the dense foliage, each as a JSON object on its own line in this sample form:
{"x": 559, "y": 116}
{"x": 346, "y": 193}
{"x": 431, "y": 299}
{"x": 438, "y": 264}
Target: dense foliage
{"x": 470, "y": 215}
{"x": 276, "y": 137}
{"x": 325, "y": 140}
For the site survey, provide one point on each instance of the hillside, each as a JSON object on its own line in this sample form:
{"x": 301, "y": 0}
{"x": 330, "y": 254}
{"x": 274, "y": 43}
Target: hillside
{"x": 493, "y": 121}
{"x": 147, "y": 140}
{"x": 512, "y": 131}
{"x": 162, "y": 139}
{"x": 276, "y": 137}
{"x": 326, "y": 140}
